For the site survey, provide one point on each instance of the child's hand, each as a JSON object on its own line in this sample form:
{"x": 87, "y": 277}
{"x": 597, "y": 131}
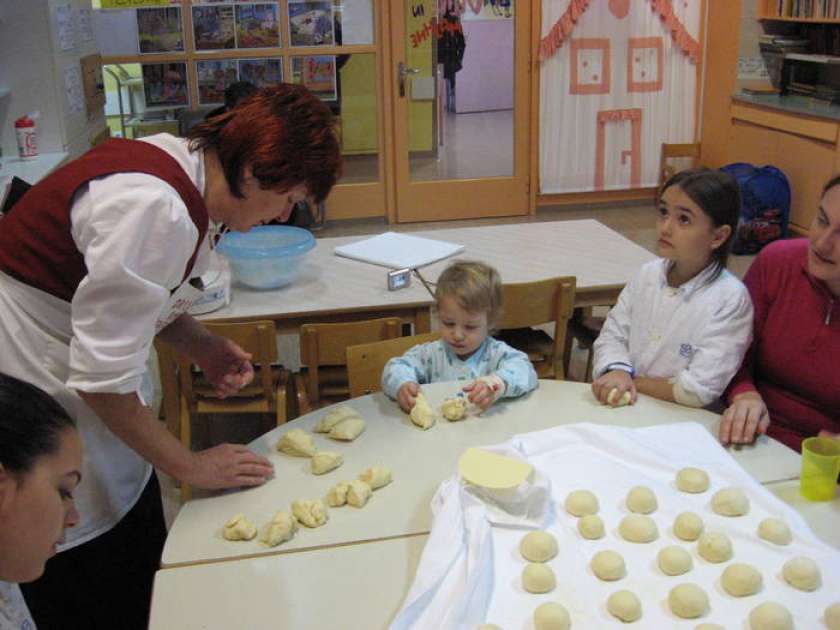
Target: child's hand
{"x": 407, "y": 395}
{"x": 484, "y": 391}
{"x": 618, "y": 380}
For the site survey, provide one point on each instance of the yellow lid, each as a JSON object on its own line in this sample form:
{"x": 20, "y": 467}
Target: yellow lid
{"x": 493, "y": 471}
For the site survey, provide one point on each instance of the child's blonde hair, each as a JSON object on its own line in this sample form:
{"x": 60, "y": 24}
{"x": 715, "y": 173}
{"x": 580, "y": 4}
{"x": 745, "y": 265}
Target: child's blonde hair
{"x": 476, "y": 287}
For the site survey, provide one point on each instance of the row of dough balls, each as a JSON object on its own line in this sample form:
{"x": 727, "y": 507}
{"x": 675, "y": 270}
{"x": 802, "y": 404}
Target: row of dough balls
{"x": 342, "y": 423}
{"x": 423, "y": 416}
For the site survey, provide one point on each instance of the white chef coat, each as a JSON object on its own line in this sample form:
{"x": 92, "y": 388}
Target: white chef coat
{"x": 136, "y": 236}
{"x": 695, "y": 334}
{"x": 14, "y": 615}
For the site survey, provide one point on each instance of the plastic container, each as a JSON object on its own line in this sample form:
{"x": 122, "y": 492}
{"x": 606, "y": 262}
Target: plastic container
{"x": 820, "y": 467}
{"x": 26, "y": 138}
{"x": 268, "y": 256}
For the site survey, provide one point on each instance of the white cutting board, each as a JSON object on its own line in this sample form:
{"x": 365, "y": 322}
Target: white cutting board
{"x": 399, "y": 251}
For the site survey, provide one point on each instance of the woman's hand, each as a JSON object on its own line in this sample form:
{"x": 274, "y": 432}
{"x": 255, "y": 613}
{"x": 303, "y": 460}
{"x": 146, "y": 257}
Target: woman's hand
{"x": 618, "y": 380}
{"x": 227, "y": 466}
{"x": 746, "y": 418}
{"x": 829, "y": 434}
{"x": 407, "y": 395}
{"x": 227, "y": 366}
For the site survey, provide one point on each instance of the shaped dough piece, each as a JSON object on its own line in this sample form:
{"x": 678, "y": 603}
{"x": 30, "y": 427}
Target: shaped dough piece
{"x": 832, "y": 616}
{"x": 347, "y": 430}
{"x": 538, "y": 546}
{"x": 281, "y": 528}
{"x": 239, "y": 528}
{"x": 488, "y": 626}
{"x": 688, "y": 601}
{"x": 552, "y": 616}
{"x": 693, "y": 480}
{"x": 358, "y": 493}
{"x": 591, "y": 527}
{"x": 334, "y": 417}
{"x": 625, "y": 398}
{"x": 376, "y": 477}
{"x": 730, "y": 502}
{"x": 310, "y": 512}
{"x": 741, "y": 580}
{"x": 638, "y": 528}
{"x": 709, "y": 626}
{"x": 625, "y": 606}
{"x": 337, "y": 495}
{"x": 802, "y": 573}
{"x": 581, "y": 503}
{"x": 454, "y": 409}
{"x": 715, "y": 547}
{"x": 770, "y": 616}
{"x": 641, "y": 500}
{"x": 325, "y": 461}
{"x": 297, "y": 443}
{"x": 775, "y": 531}
{"x": 538, "y": 578}
{"x": 674, "y": 560}
{"x": 688, "y": 526}
{"x": 608, "y": 565}
{"x": 421, "y": 413}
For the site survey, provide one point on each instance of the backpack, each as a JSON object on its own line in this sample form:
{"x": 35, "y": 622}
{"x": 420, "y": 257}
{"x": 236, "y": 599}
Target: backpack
{"x": 765, "y": 206}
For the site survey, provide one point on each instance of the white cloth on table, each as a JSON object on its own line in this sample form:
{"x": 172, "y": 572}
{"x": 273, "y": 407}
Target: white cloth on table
{"x": 14, "y": 614}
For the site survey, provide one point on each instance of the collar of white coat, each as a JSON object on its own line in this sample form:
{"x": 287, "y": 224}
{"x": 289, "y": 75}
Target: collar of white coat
{"x": 687, "y": 288}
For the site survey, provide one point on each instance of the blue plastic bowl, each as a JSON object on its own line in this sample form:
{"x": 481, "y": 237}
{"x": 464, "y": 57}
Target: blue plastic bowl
{"x": 267, "y": 256}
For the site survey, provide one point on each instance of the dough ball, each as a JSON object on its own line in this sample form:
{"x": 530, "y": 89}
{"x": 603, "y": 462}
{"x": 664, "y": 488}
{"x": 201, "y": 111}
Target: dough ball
{"x": 538, "y": 546}
{"x": 325, "y": 461}
{"x": 488, "y": 626}
{"x": 770, "y": 616}
{"x": 376, "y": 477}
{"x": 625, "y": 606}
{"x": 638, "y": 528}
{"x": 332, "y": 418}
{"x": 358, "y": 493}
{"x": 709, "y": 626}
{"x": 641, "y": 500}
{"x": 337, "y": 495}
{"x": 715, "y": 547}
{"x": 538, "y": 578}
{"x": 239, "y": 528}
{"x": 347, "y": 430}
{"x": 740, "y": 580}
{"x": 674, "y": 560}
{"x": 802, "y": 573}
{"x": 775, "y": 531}
{"x": 832, "y": 616}
{"x": 591, "y": 527}
{"x": 454, "y": 409}
{"x": 625, "y": 399}
{"x": 281, "y": 528}
{"x": 312, "y": 513}
{"x": 422, "y": 414}
{"x": 688, "y": 601}
{"x": 730, "y": 502}
{"x": 608, "y": 565}
{"x": 552, "y": 616}
{"x": 297, "y": 443}
{"x": 581, "y": 503}
{"x": 692, "y": 480}
{"x": 688, "y": 526}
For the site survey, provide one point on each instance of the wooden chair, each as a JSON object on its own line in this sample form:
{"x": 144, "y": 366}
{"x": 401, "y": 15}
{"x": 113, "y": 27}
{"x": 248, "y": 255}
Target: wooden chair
{"x": 529, "y": 304}
{"x": 323, "y": 355}
{"x": 366, "y": 361}
{"x": 675, "y": 151}
{"x": 583, "y": 328}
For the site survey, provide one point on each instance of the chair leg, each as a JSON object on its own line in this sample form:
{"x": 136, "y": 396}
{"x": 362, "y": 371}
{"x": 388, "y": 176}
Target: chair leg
{"x": 280, "y": 404}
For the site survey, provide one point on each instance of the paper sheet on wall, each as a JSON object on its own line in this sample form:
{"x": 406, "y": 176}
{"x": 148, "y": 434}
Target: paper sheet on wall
{"x": 65, "y": 33}
{"x": 399, "y": 251}
{"x": 73, "y": 89}
{"x": 86, "y": 24}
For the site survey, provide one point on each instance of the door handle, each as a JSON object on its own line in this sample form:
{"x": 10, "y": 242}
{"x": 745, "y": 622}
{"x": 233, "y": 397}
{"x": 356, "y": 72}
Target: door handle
{"x": 402, "y": 72}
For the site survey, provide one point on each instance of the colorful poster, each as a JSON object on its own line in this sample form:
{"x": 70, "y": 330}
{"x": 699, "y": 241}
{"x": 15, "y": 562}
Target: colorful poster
{"x": 160, "y": 30}
{"x": 311, "y": 23}
{"x": 213, "y": 27}
{"x": 261, "y": 72}
{"x": 133, "y": 4}
{"x": 317, "y": 74}
{"x": 165, "y": 84}
{"x": 213, "y": 78}
{"x": 257, "y": 26}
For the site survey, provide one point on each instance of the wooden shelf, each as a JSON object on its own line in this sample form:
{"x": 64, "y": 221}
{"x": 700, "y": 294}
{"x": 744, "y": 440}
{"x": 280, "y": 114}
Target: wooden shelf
{"x": 776, "y": 18}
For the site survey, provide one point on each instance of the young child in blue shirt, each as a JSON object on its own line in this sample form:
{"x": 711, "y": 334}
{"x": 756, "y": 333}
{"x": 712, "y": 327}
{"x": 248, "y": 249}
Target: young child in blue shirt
{"x": 468, "y": 298}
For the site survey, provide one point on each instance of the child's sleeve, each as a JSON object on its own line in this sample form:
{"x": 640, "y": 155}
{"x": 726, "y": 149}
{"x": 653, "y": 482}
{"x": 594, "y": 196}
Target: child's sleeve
{"x": 613, "y": 343}
{"x": 410, "y": 367}
{"x": 516, "y": 370}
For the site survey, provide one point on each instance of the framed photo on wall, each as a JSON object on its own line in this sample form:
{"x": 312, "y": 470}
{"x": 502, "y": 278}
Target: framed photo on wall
{"x": 261, "y": 72}
{"x": 257, "y": 26}
{"x": 159, "y": 30}
{"x": 214, "y": 76}
{"x": 165, "y": 85}
{"x": 311, "y": 23}
{"x": 213, "y": 27}
{"x": 318, "y": 74}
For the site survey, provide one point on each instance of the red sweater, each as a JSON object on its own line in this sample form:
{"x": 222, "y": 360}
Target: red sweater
{"x": 794, "y": 361}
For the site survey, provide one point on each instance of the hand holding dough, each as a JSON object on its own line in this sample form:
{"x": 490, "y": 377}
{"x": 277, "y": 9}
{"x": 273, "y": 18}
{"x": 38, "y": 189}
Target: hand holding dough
{"x": 347, "y": 430}
{"x": 422, "y": 414}
{"x": 334, "y": 417}
{"x": 325, "y": 461}
{"x": 281, "y": 528}
{"x": 312, "y": 513}
{"x": 454, "y": 409}
{"x": 239, "y": 528}
{"x": 625, "y": 399}
{"x": 297, "y": 443}
{"x": 358, "y": 493}
{"x": 376, "y": 477}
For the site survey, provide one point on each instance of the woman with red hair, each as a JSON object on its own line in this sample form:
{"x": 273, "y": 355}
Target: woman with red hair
{"x": 95, "y": 261}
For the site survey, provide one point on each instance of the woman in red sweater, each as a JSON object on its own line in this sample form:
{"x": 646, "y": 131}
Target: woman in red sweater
{"x": 789, "y": 383}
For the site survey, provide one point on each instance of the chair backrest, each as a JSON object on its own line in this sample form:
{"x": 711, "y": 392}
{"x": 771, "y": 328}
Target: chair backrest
{"x": 366, "y": 361}
{"x": 686, "y": 150}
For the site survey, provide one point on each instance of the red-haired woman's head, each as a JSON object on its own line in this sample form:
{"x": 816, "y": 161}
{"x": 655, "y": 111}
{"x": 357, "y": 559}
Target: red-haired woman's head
{"x": 284, "y": 133}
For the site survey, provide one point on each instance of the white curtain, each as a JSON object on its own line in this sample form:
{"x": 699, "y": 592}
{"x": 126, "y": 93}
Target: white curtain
{"x": 618, "y": 86}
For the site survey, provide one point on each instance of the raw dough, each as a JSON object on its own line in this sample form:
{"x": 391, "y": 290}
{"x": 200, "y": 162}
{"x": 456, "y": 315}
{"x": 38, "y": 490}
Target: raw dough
{"x": 239, "y": 528}
{"x": 493, "y": 471}
{"x": 591, "y": 527}
{"x": 625, "y": 606}
{"x": 770, "y": 616}
{"x": 688, "y": 601}
{"x": 715, "y": 547}
{"x": 688, "y": 526}
{"x": 421, "y": 413}
{"x": 740, "y": 580}
{"x": 337, "y": 495}
{"x": 325, "y": 461}
{"x": 730, "y": 502}
{"x": 281, "y": 528}
{"x": 296, "y": 442}
{"x": 802, "y": 573}
{"x": 454, "y": 409}
{"x": 775, "y": 531}
{"x": 581, "y": 503}
{"x": 376, "y": 477}
{"x": 488, "y": 626}
{"x": 832, "y": 617}
{"x": 552, "y": 616}
{"x": 625, "y": 398}
{"x": 347, "y": 430}
{"x": 538, "y": 578}
{"x": 310, "y": 512}
{"x": 608, "y": 565}
{"x": 692, "y": 480}
{"x": 638, "y": 528}
{"x": 709, "y": 626}
{"x": 641, "y": 500}
{"x": 538, "y": 546}
{"x": 674, "y": 560}
{"x": 339, "y": 414}
{"x": 358, "y": 493}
